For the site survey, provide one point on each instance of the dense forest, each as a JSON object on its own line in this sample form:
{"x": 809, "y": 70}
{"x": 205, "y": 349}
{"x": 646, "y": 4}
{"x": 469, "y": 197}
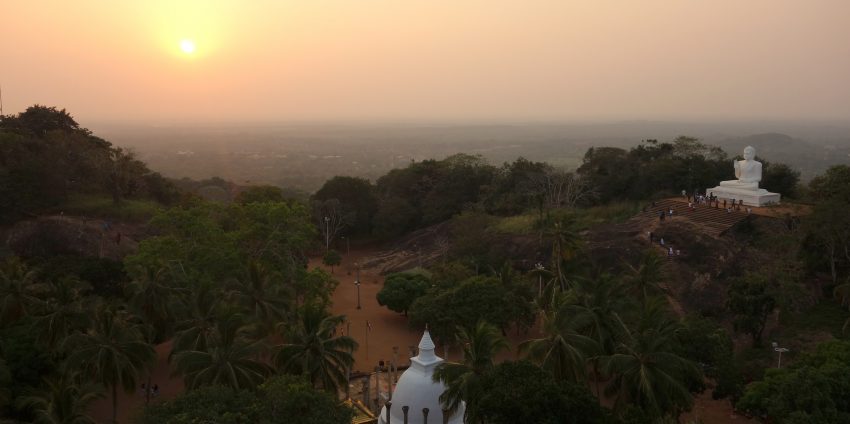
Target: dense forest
{"x": 220, "y": 270}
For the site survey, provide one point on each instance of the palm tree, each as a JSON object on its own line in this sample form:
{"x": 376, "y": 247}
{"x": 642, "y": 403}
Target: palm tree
{"x": 313, "y": 350}
{"x": 480, "y": 344}
{"x": 261, "y": 293}
{"x": 229, "y": 359}
{"x": 648, "y": 274}
{"x": 646, "y": 373}
{"x": 151, "y": 294}
{"x": 196, "y": 328}
{"x": 18, "y": 289}
{"x": 63, "y": 401}
{"x": 565, "y": 244}
{"x": 595, "y": 305}
{"x": 63, "y": 311}
{"x": 563, "y": 351}
{"x": 113, "y": 352}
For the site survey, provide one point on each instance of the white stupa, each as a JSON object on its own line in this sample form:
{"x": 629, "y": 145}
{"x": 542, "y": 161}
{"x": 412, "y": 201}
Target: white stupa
{"x": 417, "y": 390}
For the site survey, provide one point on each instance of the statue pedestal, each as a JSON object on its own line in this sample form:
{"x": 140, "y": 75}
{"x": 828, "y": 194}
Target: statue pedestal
{"x": 760, "y": 197}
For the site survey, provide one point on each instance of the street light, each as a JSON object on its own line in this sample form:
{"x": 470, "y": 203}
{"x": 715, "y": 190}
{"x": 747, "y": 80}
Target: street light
{"x": 327, "y": 233}
{"x": 347, "y": 244}
{"x": 357, "y": 283}
{"x": 780, "y": 350}
{"x": 539, "y": 267}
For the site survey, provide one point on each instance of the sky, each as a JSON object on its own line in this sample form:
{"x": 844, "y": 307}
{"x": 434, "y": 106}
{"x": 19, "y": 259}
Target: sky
{"x": 411, "y": 60}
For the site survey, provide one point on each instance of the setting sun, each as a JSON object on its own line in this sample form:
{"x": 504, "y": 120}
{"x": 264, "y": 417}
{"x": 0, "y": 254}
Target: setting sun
{"x": 188, "y": 46}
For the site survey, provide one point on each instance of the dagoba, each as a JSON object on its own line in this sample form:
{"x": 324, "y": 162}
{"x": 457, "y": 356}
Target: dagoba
{"x": 417, "y": 390}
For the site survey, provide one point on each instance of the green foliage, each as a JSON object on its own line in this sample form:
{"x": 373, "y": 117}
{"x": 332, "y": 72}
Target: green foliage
{"x": 401, "y": 290}
{"x": 827, "y": 238}
{"x": 834, "y": 184}
{"x": 478, "y": 298}
{"x": 64, "y": 400}
{"x": 516, "y": 187}
{"x": 106, "y": 277}
{"x": 653, "y": 168}
{"x": 751, "y": 301}
{"x": 518, "y": 224}
{"x": 434, "y": 190}
{"x": 780, "y": 178}
{"x": 312, "y": 349}
{"x": 214, "y": 404}
{"x": 27, "y": 363}
{"x": 646, "y": 372}
{"x": 709, "y": 345}
{"x": 563, "y": 351}
{"x": 48, "y": 157}
{"x": 356, "y": 196}
{"x": 112, "y": 353}
{"x": 209, "y": 242}
{"x": 520, "y": 392}
{"x": 228, "y": 359}
{"x": 815, "y": 388}
{"x": 130, "y": 210}
{"x": 260, "y": 194}
{"x": 280, "y": 400}
{"x": 19, "y": 286}
{"x": 395, "y": 217}
{"x": 463, "y": 381}
{"x": 39, "y": 120}
{"x": 332, "y": 258}
{"x": 285, "y": 398}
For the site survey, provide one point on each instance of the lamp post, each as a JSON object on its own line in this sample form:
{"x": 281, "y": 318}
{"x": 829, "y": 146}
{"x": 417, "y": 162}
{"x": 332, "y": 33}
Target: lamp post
{"x": 347, "y": 244}
{"x": 327, "y": 233}
{"x": 776, "y": 348}
{"x": 539, "y": 267}
{"x": 357, "y": 283}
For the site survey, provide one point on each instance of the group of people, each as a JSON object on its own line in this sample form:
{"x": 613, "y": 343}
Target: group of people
{"x": 153, "y": 390}
{"x": 711, "y": 200}
{"x": 669, "y": 249}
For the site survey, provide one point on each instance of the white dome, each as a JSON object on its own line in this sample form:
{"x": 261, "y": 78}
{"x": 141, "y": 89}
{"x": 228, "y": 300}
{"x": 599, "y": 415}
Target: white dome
{"x": 417, "y": 390}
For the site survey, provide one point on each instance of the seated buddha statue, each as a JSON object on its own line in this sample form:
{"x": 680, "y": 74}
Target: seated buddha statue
{"x": 748, "y": 172}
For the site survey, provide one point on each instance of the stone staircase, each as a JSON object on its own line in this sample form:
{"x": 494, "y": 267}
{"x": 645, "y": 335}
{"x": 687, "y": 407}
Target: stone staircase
{"x": 714, "y": 221}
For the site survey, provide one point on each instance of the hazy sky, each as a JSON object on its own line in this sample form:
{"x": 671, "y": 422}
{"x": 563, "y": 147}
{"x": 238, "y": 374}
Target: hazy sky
{"x": 428, "y": 59}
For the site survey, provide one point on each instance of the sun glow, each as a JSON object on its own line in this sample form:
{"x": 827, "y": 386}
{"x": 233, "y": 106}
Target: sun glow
{"x": 187, "y": 46}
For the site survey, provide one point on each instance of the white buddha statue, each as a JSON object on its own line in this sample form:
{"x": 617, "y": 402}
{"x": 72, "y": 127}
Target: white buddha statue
{"x": 748, "y": 172}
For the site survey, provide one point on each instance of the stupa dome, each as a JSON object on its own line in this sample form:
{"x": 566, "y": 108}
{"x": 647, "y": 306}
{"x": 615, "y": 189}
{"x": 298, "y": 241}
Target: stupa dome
{"x": 417, "y": 390}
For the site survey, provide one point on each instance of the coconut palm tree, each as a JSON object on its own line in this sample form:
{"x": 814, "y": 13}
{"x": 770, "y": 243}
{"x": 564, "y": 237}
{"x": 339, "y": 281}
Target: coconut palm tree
{"x": 480, "y": 344}
{"x": 314, "y": 350}
{"x": 261, "y": 293}
{"x": 229, "y": 359}
{"x": 62, "y": 311}
{"x": 152, "y": 295}
{"x": 646, "y": 373}
{"x": 565, "y": 245}
{"x": 196, "y": 326}
{"x": 64, "y": 400}
{"x": 112, "y": 352}
{"x": 595, "y": 305}
{"x": 18, "y": 291}
{"x": 562, "y": 351}
{"x": 646, "y": 277}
